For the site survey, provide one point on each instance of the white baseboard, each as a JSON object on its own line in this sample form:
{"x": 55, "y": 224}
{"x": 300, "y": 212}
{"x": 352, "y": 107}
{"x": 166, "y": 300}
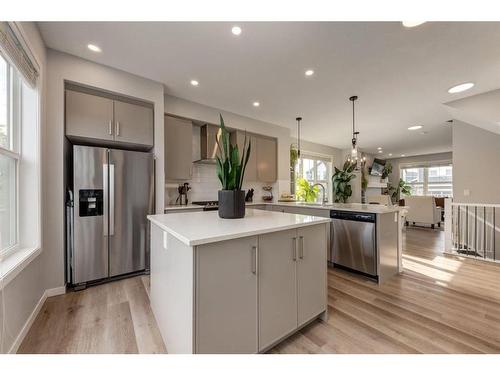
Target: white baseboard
{"x": 56, "y": 291}
{"x": 24, "y": 331}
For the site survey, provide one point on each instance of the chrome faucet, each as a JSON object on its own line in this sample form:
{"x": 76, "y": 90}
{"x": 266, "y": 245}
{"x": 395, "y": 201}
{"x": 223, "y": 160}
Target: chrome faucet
{"x": 325, "y": 199}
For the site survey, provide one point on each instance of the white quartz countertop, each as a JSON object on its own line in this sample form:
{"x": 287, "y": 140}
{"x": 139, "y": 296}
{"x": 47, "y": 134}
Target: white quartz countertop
{"x": 198, "y": 228}
{"x": 177, "y": 207}
{"x": 354, "y": 207}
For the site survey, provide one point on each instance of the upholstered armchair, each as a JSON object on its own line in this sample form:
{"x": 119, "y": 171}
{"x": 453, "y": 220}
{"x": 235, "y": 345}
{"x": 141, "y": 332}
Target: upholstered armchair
{"x": 422, "y": 210}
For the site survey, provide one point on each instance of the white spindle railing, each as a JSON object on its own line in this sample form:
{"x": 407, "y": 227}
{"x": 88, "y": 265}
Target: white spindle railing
{"x": 472, "y": 229}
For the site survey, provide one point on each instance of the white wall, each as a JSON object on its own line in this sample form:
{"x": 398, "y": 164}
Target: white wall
{"x": 476, "y": 164}
{"x": 21, "y": 295}
{"x": 63, "y": 67}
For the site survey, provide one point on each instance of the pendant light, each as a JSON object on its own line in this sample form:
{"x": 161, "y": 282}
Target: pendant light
{"x": 355, "y": 155}
{"x": 354, "y": 140}
{"x": 298, "y": 119}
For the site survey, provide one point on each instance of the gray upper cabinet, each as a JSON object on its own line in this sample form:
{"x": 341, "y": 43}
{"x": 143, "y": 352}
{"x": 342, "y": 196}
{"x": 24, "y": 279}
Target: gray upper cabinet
{"x": 133, "y": 123}
{"x": 89, "y": 116}
{"x": 263, "y": 162}
{"x": 238, "y": 138}
{"x": 267, "y": 156}
{"x": 104, "y": 120}
{"x": 178, "y": 148}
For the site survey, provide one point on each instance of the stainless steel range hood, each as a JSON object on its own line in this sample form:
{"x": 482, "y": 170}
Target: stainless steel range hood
{"x": 208, "y": 143}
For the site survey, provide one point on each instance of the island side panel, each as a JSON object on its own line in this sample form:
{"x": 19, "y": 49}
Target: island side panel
{"x": 387, "y": 245}
{"x": 172, "y": 290}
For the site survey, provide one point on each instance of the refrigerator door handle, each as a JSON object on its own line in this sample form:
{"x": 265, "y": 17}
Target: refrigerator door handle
{"x": 111, "y": 199}
{"x": 106, "y": 198}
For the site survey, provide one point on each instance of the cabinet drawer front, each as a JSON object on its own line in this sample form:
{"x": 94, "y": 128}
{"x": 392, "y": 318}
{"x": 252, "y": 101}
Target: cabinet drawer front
{"x": 277, "y": 286}
{"x": 311, "y": 272}
{"x": 226, "y": 297}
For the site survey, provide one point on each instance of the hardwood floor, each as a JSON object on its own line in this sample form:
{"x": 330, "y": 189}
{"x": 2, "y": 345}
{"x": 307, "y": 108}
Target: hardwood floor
{"x": 440, "y": 304}
{"x": 109, "y": 318}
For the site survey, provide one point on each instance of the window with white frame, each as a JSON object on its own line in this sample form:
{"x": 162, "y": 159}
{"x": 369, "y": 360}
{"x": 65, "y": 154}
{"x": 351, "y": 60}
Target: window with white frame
{"x": 435, "y": 180}
{"x": 316, "y": 170}
{"x": 10, "y": 120}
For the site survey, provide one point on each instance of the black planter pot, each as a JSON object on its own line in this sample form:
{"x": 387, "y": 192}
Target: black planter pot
{"x": 231, "y": 204}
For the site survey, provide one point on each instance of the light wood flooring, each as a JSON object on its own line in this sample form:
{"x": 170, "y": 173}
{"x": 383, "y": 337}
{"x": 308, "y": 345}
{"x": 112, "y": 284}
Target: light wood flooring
{"x": 440, "y": 304}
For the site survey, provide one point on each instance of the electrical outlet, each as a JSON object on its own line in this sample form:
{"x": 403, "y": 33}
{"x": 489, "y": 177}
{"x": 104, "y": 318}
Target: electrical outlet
{"x": 466, "y": 192}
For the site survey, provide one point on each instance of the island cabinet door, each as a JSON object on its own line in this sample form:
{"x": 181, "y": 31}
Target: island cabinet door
{"x": 226, "y": 297}
{"x": 311, "y": 272}
{"x": 277, "y": 286}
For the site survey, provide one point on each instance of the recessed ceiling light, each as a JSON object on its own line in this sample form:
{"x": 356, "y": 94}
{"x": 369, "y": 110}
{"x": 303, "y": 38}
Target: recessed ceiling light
{"x": 461, "y": 87}
{"x": 380, "y": 151}
{"x": 236, "y": 30}
{"x": 390, "y": 154}
{"x": 403, "y": 155}
{"x": 194, "y": 82}
{"x": 412, "y": 23}
{"x": 93, "y": 48}
{"x": 416, "y": 127}
{"x": 256, "y": 104}
{"x": 309, "y": 72}
{"x": 379, "y": 148}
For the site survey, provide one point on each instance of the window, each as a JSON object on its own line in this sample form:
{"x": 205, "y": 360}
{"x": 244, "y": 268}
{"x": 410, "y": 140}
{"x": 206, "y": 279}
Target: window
{"x": 316, "y": 170}
{"x": 435, "y": 180}
{"x": 10, "y": 107}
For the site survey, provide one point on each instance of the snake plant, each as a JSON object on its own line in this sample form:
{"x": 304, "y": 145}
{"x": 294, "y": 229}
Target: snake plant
{"x": 230, "y": 165}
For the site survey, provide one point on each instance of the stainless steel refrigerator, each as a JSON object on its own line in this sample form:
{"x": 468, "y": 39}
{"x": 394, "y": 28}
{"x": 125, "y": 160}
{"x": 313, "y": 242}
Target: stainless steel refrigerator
{"x": 108, "y": 233}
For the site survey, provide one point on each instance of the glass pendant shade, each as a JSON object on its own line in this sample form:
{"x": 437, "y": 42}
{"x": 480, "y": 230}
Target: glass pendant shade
{"x": 354, "y": 152}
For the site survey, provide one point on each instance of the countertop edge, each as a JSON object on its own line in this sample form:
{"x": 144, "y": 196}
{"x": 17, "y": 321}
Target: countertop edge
{"x": 204, "y": 241}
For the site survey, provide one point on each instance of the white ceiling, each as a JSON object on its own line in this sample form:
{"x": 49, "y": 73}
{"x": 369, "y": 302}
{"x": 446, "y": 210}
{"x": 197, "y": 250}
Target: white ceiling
{"x": 400, "y": 75}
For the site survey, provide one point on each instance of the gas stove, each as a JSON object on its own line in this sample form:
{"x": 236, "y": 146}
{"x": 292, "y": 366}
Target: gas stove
{"x": 208, "y": 205}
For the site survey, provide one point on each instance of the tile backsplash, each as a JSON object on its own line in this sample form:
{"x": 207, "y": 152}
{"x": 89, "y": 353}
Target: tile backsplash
{"x": 205, "y": 185}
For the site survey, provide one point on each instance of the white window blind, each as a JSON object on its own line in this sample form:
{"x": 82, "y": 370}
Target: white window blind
{"x": 12, "y": 49}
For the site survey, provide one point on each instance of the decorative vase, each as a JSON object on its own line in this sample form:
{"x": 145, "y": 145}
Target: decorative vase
{"x": 231, "y": 204}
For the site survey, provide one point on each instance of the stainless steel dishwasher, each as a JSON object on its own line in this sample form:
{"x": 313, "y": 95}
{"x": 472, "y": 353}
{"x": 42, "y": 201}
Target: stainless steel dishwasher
{"x": 353, "y": 241}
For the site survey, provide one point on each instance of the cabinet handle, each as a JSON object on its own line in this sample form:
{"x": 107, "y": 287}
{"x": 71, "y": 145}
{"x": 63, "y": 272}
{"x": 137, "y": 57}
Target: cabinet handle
{"x": 301, "y": 248}
{"x": 294, "y": 253}
{"x": 118, "y": 128}
{"x": 110, "y": 127}
{"x": 254, "y": 260}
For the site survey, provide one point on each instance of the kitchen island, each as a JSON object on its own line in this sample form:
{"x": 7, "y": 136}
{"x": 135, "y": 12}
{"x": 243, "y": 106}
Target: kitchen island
{"x": 386, "y": 238}
{"x": 236, "y": 286}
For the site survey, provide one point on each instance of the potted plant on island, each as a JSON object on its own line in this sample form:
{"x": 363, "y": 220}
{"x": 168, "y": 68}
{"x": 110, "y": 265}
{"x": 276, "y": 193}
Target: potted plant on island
{"x": 230, "y": 171}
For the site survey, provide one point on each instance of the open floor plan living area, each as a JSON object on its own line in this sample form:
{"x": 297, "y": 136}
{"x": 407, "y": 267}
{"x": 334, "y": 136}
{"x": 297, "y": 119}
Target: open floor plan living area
{"x": 249, "y": 186}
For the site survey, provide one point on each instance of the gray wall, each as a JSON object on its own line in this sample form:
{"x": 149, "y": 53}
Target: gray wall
{"x": 476, "y": 164}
